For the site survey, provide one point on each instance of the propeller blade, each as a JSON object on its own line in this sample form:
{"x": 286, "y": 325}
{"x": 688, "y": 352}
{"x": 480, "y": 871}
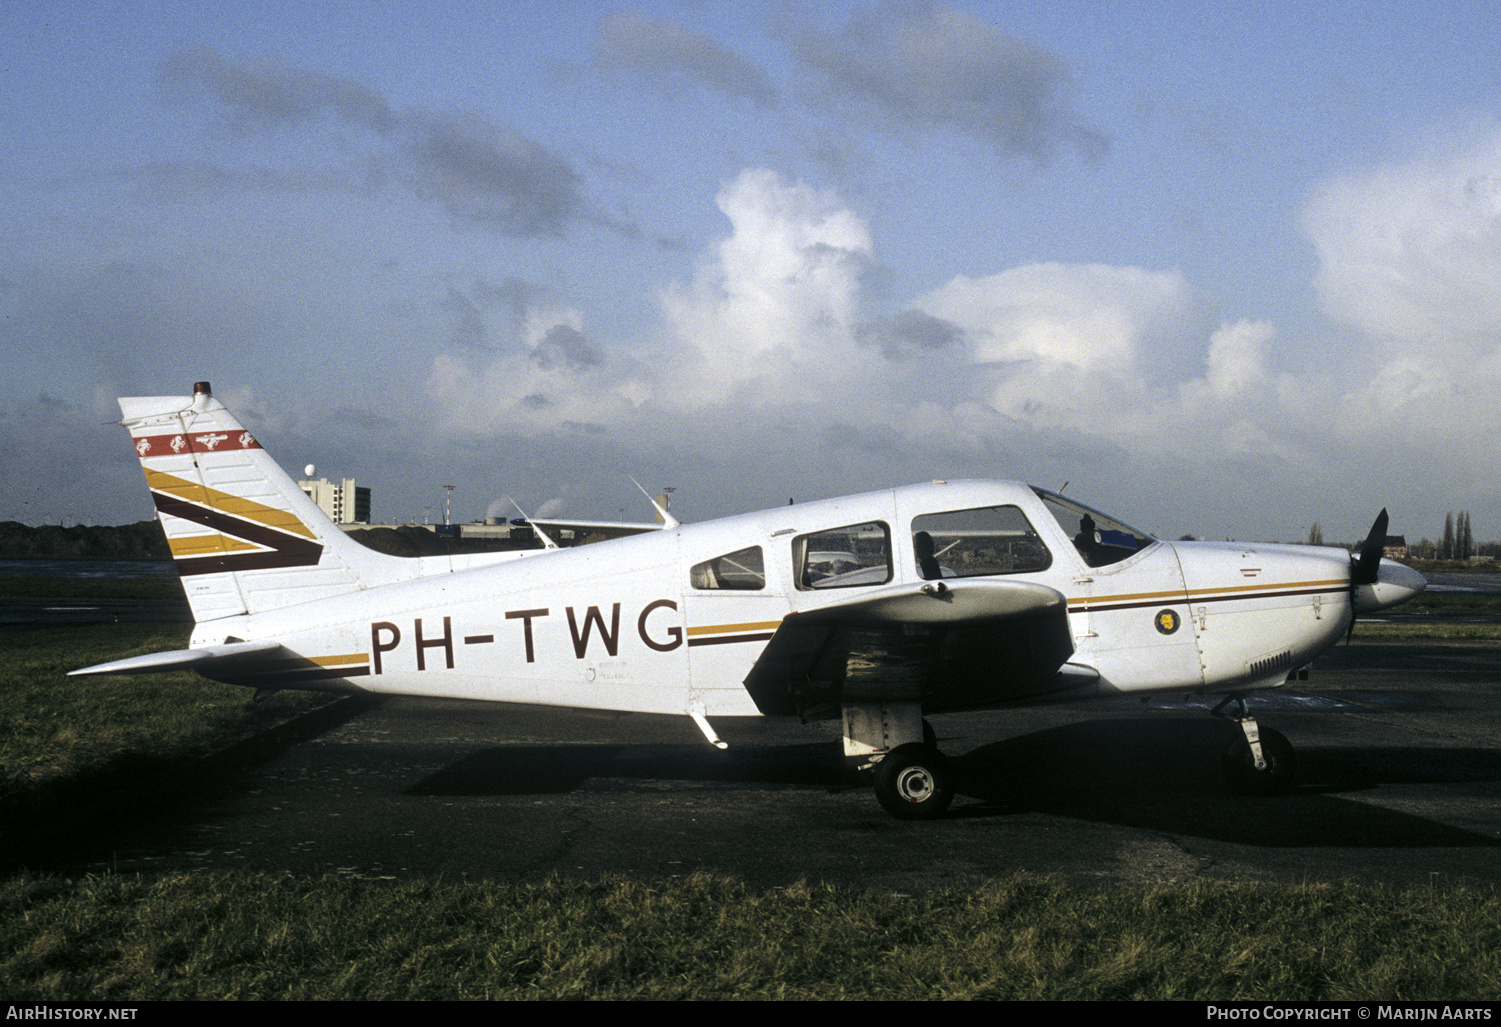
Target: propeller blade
{"x": 1365, "y": 569}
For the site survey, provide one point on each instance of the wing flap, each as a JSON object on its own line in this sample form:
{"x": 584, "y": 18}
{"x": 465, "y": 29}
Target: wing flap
{"x": 964, "y": 645}
{"x": 179, "y": 659}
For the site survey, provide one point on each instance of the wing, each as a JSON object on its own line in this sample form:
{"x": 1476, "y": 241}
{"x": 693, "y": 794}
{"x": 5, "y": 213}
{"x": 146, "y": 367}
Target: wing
{"x": 615, "y": 529}
{"x": 960, "y": 645}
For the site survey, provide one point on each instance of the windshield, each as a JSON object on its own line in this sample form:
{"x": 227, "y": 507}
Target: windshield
{"x": 1099, "y": 538}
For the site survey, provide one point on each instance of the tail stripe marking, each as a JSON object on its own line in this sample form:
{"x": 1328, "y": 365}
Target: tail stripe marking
{"x": 272, "y": 673}
{"x": 190, "y": 547}
{"x": 249, "y": 509}
{"x": 260, "y": 525}
{"x": 194, "y": 442}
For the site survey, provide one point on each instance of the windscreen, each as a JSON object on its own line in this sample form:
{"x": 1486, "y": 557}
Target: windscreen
{"x": 1099, "y": 538}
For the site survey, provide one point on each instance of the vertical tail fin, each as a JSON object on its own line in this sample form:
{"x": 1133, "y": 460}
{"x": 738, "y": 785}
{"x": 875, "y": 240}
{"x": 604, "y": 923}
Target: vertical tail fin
{"x": 244, "y": 536}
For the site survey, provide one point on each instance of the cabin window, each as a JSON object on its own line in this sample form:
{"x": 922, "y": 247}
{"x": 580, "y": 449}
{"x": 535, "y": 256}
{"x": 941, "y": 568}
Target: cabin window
{"x": 743, "y": 569}
{"x": 1100, "y": 539}
{"x": 857, "y": 554}
{"x": 967, "y": 543}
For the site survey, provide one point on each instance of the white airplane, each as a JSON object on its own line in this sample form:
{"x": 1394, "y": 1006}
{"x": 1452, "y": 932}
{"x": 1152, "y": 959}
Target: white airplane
{"x": 873, "y": 609}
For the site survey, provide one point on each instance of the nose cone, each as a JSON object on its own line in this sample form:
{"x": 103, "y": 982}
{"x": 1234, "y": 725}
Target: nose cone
{"x": 1395, "y": 583}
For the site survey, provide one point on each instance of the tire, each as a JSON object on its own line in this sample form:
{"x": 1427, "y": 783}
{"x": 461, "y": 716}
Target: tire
{"x": 1281, "y": 765}
{"x": 914, "y": 782}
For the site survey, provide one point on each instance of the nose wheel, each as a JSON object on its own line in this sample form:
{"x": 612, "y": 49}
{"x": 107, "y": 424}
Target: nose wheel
{"x": 1261, "y": 761}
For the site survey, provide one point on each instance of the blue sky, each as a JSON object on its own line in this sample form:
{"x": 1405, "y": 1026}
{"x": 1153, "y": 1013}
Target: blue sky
{"x": 1227, "y": 269}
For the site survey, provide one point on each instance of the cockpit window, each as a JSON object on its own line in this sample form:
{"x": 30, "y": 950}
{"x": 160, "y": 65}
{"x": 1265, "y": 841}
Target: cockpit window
{"x": 858, "y": 554}
{"x": 966, "y": 543}
{"x": 743, "y": 569}
{"x": 1099, "y": 538}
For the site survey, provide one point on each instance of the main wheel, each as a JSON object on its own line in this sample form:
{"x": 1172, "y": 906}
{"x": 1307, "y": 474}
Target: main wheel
{"x": 914, "y": 782}
{"x": 1281, "y": 765}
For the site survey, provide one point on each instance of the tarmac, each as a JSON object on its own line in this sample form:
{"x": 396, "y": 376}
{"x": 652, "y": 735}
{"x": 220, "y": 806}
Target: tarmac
{"x": 1399, "y": 781}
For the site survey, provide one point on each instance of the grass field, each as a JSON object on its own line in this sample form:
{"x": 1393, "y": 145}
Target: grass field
{"x": 254, "y": 936}
{"x": 56, "y": 728}
{"x": 1455, "y": 615}
{"x": 94, "y": 590}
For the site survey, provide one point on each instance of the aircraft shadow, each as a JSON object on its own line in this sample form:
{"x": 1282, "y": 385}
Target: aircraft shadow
{"x": 1148, "y": 773}
{"x": 557, "y": 769}
{"x": 1164, "y": 775}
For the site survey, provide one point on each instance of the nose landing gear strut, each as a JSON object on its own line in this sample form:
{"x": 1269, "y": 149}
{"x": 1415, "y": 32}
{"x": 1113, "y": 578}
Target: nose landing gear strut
{"x": 1262, "y": 762}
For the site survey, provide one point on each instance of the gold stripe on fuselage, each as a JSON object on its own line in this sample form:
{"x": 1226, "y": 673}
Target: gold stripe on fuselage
{"x": 724, "y": 629}
{"x": 1259, "y": 591}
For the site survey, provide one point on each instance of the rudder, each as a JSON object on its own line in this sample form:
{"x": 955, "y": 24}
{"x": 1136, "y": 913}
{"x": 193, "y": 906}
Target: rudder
{"x": 245, "y": 538}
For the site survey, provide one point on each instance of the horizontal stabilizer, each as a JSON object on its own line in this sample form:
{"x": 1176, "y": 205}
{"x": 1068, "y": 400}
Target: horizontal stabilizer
{"x": 177, "y": 659}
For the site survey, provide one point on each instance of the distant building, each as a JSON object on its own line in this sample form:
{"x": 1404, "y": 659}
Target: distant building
{"x": 345, "y": 503}
{"x": 1395, "y": 547}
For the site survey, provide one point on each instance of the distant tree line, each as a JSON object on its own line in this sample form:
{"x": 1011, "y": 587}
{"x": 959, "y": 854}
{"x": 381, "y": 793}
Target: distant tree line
{"x": 140, "y": 541}
{"x": 1458, "y": 542}
{"x": 144, "y": 541}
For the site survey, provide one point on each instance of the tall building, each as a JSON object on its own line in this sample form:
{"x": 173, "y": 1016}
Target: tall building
{"x": 345, "y": 503}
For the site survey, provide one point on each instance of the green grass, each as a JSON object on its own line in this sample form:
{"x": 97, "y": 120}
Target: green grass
{"x": 1437, "y": 615}
{"x": 1441, "y": 604}
{"x": 238, "y": 936}
{"x": 93, "y": 590}
{"x": 53, "y": 727}
{"x": 1432, "y": 630}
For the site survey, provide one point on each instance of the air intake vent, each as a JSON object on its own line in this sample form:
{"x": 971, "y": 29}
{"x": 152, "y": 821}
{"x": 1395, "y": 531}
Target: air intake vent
{"x": 1271, "y": 664}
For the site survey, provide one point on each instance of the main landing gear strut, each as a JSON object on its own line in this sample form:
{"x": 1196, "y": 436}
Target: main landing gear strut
{"x": 1262, "y": 761}
{"x": 913, "y": 780}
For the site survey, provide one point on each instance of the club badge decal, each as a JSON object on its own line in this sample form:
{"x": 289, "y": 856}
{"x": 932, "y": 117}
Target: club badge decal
{"x": 1167, "y": 621}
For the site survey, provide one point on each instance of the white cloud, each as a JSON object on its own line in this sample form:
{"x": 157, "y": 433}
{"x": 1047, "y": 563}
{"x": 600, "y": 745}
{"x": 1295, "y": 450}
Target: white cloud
{"x": 1091, "y": 316}
{"x": 1409, "y": 252}
{"x": 1237, "y": 357}
{"x": 1074, "y": 346}
{"x": 769, "y": 349}
{"x": 778, "y": 302}
{"x": 769, "y": 318}
{"x": 769, "y": 373}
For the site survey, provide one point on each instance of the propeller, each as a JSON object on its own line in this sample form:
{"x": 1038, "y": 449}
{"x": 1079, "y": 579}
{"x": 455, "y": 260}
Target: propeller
{"x": 1365, "y": 568}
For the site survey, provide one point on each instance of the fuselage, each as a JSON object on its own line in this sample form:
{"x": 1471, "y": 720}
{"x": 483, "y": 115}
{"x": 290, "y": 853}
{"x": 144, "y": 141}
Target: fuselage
{"x": 675, "y": 619}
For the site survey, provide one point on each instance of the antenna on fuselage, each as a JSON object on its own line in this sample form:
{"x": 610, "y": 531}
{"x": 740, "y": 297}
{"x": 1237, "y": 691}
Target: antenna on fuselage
{"x": 1063, "y": 486}
{"x": 547, "y": 543}
{"x": 668, "y": 521}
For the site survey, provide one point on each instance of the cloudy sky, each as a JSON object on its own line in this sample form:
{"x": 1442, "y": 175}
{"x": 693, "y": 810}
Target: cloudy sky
{"x": 1226, "y": 268}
